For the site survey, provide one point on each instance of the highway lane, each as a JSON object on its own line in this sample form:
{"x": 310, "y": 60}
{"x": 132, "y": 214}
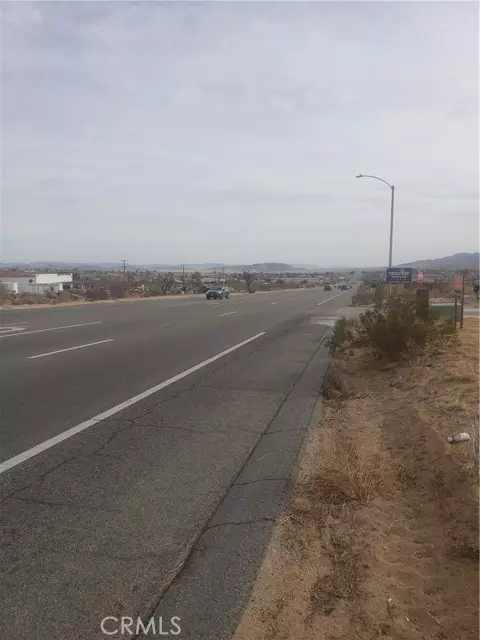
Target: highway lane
{"x": 149, "y": 342}
{"x": 100, "y": 523}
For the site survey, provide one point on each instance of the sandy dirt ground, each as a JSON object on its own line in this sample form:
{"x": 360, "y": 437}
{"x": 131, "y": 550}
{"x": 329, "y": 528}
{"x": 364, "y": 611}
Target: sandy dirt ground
{"x": 380, "y": 539}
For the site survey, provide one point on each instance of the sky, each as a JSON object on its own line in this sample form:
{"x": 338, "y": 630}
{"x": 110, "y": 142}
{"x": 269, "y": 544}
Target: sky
{"x": 190, "y": 132}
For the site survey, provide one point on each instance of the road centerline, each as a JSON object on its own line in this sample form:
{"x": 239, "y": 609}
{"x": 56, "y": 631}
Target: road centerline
{"x": 229, "y": 313}
{"x": 65, "y": 435}
{"x": 80, "y": 346}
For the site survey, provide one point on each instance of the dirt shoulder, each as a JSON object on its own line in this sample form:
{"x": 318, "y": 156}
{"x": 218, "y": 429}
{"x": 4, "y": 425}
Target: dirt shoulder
{"x": 381, "y": 536}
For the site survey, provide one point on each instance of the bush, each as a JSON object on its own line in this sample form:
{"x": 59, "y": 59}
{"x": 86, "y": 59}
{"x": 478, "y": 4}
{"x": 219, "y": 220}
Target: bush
{"x": 97, "y": 294}
{"x": 66, "y": 296}
{"x": 396, "y": 331}
{"x": 343, "y": 334}
{"x": 118, "y": 289}
{"x": 393, "y": 329}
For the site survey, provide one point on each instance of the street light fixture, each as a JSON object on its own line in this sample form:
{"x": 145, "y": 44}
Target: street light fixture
{"x": 392, "y": 188}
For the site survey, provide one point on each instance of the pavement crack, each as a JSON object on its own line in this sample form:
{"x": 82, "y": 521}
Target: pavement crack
{"x": 49, "y": 503}
{"x": 240, "y": 523}
{"x": 243, "y": 484}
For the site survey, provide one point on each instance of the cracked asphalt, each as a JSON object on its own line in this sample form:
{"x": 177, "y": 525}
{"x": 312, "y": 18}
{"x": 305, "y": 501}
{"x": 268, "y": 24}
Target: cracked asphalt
{"x": 165, "y": 507}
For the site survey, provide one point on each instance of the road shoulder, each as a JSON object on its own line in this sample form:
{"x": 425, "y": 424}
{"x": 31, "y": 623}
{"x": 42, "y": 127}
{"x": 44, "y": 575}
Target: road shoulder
{"x": 380, "y": 538}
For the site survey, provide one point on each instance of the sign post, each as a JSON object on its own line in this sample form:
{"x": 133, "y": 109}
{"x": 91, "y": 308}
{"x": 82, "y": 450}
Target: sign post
{"x": 462, "y": 300}
{"x": 458, "y": 297}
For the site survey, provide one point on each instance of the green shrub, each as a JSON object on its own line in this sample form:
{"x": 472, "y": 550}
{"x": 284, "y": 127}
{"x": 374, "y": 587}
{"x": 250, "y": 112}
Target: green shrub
{"x": 396, "y": 331}
{"x": 343, "y": 334}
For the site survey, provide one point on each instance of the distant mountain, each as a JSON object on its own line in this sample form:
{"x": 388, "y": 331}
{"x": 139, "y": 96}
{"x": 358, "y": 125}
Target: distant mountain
{"x": 457, "y": 261}
{"x": 61, "y": 266}
{"x": 271, "y": 267}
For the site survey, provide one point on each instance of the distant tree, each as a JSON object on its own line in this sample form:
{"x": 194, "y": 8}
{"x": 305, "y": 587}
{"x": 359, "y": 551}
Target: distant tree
{"x": 196, "y": 280}
{"x": 118, "y": 289}
{"x": 165, "y": 282}
{"x": 303, "y": 282}
{"x": 249, "y": 278}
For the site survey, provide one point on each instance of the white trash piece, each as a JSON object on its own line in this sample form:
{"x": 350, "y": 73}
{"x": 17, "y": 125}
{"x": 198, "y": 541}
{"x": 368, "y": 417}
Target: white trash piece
{"x": 458, "y": 437}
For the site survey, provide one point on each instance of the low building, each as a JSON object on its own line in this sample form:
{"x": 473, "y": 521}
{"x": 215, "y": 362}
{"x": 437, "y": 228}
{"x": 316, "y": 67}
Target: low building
{"x": 38, "y": 283}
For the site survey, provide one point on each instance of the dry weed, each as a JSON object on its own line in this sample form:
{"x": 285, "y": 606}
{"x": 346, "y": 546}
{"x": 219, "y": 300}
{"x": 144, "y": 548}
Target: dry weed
{"x": 335, "y": 385}
{"x": 358, "y": 477}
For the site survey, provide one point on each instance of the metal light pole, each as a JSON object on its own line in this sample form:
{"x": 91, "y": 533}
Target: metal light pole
{"x": 392, "y": 188}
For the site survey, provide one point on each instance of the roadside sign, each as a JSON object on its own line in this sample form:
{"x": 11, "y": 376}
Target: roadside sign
{"x": 457, "y": 284}
{"x": 398, "y": 275}
{"x": 420, "y": 277}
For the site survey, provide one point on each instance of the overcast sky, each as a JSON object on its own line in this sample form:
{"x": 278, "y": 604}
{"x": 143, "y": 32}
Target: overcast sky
{"x": 232, "y": 132}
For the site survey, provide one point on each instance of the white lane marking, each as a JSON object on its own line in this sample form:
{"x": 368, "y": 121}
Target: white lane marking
{"x": 12, "y": 324}
{"x": 227, "y": 314}
{"x": 332, "y": 298}
{"x": 183, "y": 304}
{"x": 10, "y": 329}
{"x": 51, "y": 442}
{"x": 274, "y": 303}
{"x": 68, "y": 326}
{"x": 80, "y": 346}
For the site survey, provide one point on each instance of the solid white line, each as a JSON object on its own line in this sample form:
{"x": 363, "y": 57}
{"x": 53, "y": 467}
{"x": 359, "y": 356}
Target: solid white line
{"x": 274, "y": 303}
{"x": 68, "y": 326}
{"x": 227, "y": 314}
{"x": 51, "y": 442}
{"x": 81, "y": 346}
{"x": 332, "y": 298}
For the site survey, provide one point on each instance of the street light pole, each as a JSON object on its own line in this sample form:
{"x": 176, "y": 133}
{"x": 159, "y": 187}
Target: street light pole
{"x": 392, "y": 189}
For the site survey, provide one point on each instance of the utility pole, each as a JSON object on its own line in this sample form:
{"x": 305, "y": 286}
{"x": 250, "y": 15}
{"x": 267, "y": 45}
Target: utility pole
{"x": 124, "y": 270}
{"x": 183, "y": 277}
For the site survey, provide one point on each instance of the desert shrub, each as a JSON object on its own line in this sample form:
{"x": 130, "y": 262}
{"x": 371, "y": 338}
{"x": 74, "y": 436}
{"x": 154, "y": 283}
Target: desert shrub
{"x": 118, "y": 289}
{"x": 66, "y": 296}
{"x": 363, "y": 296}
{"x": 4, "y": 292}
{"x": 96, "y": 294}
{"x": 396, "y": 331}
{"x": 343, "y": 334}
{"x": 393, "y": 329}
{"x": 29, "y": 298}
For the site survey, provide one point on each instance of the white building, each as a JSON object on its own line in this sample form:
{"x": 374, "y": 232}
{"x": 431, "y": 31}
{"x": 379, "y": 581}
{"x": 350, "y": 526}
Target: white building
{"x": 37, "y": 283}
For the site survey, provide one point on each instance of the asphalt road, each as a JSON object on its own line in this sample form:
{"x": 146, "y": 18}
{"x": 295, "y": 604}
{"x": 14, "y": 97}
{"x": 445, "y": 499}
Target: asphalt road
{"x": 145, "y": 449}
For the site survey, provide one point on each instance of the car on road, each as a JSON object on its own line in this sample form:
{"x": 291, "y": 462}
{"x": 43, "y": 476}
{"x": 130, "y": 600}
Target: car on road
{"x": 218, "y": 292}
{"x": 327, "y": 287}
{"x": 344, "y": 287}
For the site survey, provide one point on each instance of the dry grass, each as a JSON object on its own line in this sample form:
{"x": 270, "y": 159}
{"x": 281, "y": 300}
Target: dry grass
{"x": 381, "y": 537}
{"x": 352, "y": 476}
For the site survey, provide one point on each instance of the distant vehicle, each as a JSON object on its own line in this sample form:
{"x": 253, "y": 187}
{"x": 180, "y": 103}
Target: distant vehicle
{"x": 344, "y": 287}
{"x": 327, "y": 287}
{"x": 217, "y": 292}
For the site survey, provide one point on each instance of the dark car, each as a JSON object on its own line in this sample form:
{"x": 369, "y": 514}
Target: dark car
{"x": 344, "y": 287}
{"x": 327, "y": 287}
{"x": 217, "y": 292}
